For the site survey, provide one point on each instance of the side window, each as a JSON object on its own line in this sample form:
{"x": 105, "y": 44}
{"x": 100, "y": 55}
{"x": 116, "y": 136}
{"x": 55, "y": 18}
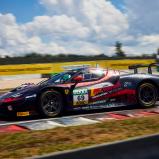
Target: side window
{"x": 87, "y": 76}
{"x": 91, "y": 75}
{"x": 64, "y": 78}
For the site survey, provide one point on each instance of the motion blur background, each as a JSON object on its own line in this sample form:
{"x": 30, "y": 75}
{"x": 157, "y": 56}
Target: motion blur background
{"x": 40, "y": 37}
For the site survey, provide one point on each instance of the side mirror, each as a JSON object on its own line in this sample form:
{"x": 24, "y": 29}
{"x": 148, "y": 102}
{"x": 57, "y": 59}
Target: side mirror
{"x": 78, "y": 79}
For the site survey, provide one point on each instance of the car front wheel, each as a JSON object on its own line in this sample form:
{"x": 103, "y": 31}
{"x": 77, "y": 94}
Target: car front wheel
{"x": 51, "y": 104}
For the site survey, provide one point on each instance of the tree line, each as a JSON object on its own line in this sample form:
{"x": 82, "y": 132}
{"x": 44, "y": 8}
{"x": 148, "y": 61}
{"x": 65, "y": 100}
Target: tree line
{"x": 48, "y": 58}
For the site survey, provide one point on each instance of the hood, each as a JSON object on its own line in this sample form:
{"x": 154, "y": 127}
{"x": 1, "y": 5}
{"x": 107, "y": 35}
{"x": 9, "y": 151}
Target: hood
{"x": 23, "y": 89}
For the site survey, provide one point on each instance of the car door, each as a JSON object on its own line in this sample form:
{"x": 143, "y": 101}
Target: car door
{"x": 82, "y": 91}
{"x": 91, "y": 92}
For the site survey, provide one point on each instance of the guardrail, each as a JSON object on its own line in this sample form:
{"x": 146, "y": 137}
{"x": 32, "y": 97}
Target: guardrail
{"x": 137, "y": 148}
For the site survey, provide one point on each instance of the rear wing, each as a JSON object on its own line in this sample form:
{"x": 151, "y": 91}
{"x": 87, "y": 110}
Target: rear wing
{"x": 149, "y": 67}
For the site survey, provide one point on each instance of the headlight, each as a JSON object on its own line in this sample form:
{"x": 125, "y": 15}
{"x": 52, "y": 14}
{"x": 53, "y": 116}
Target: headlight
{"x": 16, "y": 95}
{"x": 12, "y": 98}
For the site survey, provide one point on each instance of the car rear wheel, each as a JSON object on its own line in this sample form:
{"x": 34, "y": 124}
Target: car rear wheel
{"x": 51, "y": 104}
{"x": 147, "y": 95}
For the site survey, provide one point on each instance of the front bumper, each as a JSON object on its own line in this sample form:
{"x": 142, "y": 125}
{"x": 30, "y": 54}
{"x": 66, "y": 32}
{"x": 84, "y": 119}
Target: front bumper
{"x": 17, "y": 108}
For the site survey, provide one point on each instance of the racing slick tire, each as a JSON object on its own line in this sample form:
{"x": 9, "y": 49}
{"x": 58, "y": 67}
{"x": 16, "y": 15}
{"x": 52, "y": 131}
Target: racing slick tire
{"x": 147, "y": 95}
{"x": 50, "y": 104}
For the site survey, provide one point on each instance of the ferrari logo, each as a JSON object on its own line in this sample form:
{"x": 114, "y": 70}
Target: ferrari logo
{"x": 66, "y": 91}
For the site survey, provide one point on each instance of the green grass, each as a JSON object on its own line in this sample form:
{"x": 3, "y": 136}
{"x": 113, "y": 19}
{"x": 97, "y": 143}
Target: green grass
{"x": 26, "y": 144}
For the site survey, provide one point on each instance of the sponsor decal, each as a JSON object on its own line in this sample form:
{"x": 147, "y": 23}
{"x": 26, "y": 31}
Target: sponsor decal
{"x": 107, "y": 92}
{"x": 23, "y": 113}
{"x": 67, "y": 91}
{"x": 100, "y": 95}
{"x": 94, "y": 92}
{"x": 99, "y": 102}
{"x": 127, "y": 84}
{"x": 99, "y": 92}
{"x": 103, "y": 106}
{"x": 80, "y": 97}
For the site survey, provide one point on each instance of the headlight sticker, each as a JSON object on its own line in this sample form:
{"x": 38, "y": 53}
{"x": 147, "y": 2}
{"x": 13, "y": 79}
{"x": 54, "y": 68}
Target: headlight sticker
{"x": 31, "y": 96}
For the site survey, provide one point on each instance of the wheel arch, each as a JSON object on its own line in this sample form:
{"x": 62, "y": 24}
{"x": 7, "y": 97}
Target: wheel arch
{"x": 149, "y": 81}
{"x": 60, "y": 90}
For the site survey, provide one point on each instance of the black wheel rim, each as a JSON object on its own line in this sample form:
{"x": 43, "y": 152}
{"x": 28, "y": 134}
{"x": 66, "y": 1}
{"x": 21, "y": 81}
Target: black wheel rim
{"x": 147, "y": 94}
{"x": 50, "y": 104}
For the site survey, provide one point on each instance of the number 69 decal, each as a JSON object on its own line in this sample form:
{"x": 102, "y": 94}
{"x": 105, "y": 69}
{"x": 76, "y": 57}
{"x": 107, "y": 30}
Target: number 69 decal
{"x": 80, "y": 97}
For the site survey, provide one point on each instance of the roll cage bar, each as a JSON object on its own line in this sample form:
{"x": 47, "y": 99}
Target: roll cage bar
{"x": 149, "y": 67}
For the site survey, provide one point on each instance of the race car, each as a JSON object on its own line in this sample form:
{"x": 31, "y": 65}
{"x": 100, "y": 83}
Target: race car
{"x": 83, "y": 89}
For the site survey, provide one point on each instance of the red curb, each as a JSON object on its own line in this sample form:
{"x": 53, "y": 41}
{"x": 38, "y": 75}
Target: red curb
{"x": 12, "y": 128}
{"x": 118, "y": 116}
{"x": 155, "y": 112}
{"x": 148, "y": 113}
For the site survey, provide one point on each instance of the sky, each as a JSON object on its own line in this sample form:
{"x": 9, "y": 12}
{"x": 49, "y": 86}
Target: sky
{"x": 85, "y": 27}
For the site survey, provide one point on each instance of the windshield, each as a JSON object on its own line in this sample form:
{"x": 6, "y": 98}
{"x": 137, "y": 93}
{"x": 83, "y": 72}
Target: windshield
{"x": 59, "y": 78}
